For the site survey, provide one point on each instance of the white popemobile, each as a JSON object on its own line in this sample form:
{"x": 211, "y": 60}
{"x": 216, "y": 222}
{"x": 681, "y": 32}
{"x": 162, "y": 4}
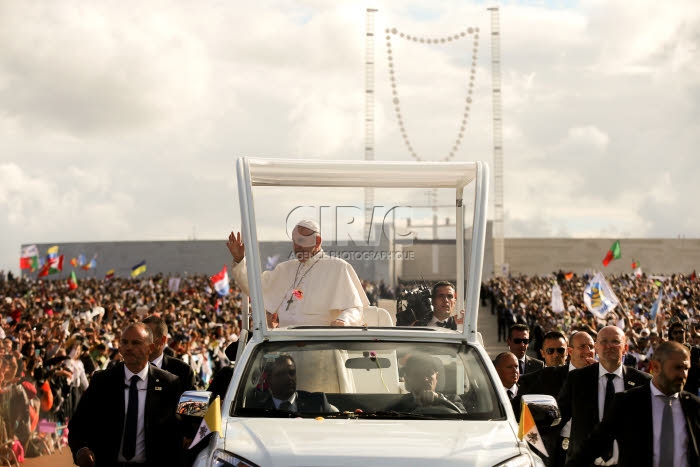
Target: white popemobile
{"x": 375, "y": 394}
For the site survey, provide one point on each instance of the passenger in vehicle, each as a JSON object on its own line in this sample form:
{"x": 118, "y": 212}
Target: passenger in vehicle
{"x": 312, "y": 289}
{"x": 283, "y": 393}
{"x": 421, "y": 377}
{"x": 444, "y": 299}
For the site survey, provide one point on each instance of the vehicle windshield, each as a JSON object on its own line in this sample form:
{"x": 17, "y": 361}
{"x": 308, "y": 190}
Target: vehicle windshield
{"x": 357, "y": 379}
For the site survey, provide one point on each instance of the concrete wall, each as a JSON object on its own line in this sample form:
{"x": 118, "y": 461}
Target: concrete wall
{"x": 656, "y": 255}
{"x": 524, "y": 256}
{"x": 196, "y": 257}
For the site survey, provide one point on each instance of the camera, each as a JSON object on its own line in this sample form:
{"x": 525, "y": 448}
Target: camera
{"x": 414, "y": 307}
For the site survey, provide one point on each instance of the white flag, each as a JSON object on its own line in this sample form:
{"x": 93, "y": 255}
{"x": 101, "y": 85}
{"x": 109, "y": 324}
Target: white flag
{"x": 527, "y": 430}
{"x": 557, "y": 300}
{"x": 29, "y": 251}
{"x": 599, "y": 297}
{"x": 210, "y": 423}
{"x": 174, "y": 284}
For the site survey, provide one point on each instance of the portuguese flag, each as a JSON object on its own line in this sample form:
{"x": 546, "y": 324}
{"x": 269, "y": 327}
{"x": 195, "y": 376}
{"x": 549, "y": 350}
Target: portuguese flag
{"x": 73, "y": 281}
{"x": 613, "y": 253}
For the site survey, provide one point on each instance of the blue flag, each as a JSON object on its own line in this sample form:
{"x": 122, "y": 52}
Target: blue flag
{"x": 657, "y": 304}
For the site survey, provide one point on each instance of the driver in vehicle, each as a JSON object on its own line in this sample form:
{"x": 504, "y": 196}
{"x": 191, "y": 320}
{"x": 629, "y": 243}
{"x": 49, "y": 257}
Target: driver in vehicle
{"x": 283, "y": 393}
{"x": 421, "y": 378}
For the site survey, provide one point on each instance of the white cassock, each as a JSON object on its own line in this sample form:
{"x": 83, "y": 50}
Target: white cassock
{"x": 329, "y": 290}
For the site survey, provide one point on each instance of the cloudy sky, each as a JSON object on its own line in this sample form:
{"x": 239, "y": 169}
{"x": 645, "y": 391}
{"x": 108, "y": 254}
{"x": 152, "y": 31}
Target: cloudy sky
{"x": 122, "y": 120}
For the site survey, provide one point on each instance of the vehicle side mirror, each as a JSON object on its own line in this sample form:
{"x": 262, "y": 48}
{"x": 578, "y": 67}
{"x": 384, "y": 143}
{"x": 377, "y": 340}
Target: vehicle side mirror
{"x": 194, "y": 403}
{"x": 544, "y": 409}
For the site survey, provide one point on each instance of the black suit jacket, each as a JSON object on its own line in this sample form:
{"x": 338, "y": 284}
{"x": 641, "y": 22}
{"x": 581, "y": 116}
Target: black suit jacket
{"x": 182, "y": 370}
{"x": 309, "y": 402}
{"x": 548, "y": 380}
{"x": 578, "y": 400}
{"x": 450, "y": 323}
{"x": 98, "y": 421}
{"x": 630, "y": 424}
{"x": 532, "y": 364}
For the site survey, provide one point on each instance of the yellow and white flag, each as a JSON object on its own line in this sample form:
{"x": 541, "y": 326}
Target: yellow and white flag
{"x": 527, "y": 430}
{"x": 210, "y": 423}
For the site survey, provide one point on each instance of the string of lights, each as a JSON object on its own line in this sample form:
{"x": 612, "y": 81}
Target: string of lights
{"x": 394, "y": 32}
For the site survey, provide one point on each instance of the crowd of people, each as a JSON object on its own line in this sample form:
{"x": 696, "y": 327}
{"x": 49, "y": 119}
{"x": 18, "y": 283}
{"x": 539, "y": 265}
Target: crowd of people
{"x": 55, "y": 337}
{"x": 528, "y": 300}
{"x": 626, "y": 382}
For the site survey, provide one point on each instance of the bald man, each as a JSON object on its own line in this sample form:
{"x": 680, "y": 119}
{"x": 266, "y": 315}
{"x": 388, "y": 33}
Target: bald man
{"x": 588, "y": 392}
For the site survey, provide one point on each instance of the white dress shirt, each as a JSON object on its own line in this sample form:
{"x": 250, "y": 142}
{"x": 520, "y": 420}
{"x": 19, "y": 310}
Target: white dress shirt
{"x": 680, "y": 435}
{"x": 140, "y": 453}
{"x": 619, "y": 383}
{"x": 292, "y": 400}
{"x": 159, "y": 361}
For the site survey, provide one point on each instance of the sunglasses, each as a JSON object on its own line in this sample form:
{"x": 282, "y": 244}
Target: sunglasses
{"x": 559, "y": 350}
{"x": 518, "y": 340}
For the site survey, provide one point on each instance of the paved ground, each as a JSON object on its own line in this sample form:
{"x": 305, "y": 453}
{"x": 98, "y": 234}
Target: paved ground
{"x": 488, "y": 327}
{"x": 62, "y": 459}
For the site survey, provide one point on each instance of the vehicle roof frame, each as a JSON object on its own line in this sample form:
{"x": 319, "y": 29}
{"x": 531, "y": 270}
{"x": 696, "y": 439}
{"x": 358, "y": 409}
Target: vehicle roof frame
{"x": 376, "y": 174}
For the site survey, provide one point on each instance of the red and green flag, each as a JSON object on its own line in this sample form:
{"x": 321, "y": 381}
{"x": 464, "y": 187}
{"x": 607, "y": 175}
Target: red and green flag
{"x": 613, "y": 253}
{"x": 44, "y": 271}
{"x": 55, "y": 264}
{"x": 29, "y": 258}
{"x": 73, "y": 281}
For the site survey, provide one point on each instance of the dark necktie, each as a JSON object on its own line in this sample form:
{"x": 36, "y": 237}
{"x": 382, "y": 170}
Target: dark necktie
{"x": 441, "y": 324}
{"x": 132, "y": 413}
{"x": 521, "y": 365}
{"x": 667, "y": 434}
{"x": 286, "y": 406}
{"x": 609, "y": 395}
{"x": 510, "y": 394}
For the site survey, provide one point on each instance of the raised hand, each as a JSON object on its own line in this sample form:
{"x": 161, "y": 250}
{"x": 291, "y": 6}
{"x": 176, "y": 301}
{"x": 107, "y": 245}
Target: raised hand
{"x": 236, "y": 247}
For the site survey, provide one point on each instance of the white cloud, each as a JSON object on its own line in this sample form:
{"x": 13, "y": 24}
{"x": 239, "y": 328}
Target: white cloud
{"x": 122, "y": 121}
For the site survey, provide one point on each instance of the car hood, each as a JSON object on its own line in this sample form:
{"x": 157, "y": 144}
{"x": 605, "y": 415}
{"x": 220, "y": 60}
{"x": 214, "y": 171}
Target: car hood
{"x": 352, "y": 442}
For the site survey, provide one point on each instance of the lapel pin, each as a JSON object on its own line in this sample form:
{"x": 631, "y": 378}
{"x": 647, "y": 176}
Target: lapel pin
{"x": 158, "y": 388}
{"x": 631, "y": 383}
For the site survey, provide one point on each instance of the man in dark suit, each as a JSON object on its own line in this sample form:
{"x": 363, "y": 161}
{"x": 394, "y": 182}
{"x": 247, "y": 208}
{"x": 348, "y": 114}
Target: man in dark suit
{"x": 656, "y": 424}
{"x": 507, "y": 368}
{"x": 554, "y": 349}
{"x": 550, "y": 380}
{"x": 518, "y": 340}
{"x": 127, "y": 413}
{"x": 165, "y": 362}
{"x": 583, "y": 397}
{"x": 444, "y": 299}
{"x": 283, "y": 394}
{"x": 421, "y": 374}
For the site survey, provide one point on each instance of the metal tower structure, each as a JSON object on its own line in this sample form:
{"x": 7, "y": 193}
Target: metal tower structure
{"x": 498, "y": 242}
{"x": 369, "y": 111}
